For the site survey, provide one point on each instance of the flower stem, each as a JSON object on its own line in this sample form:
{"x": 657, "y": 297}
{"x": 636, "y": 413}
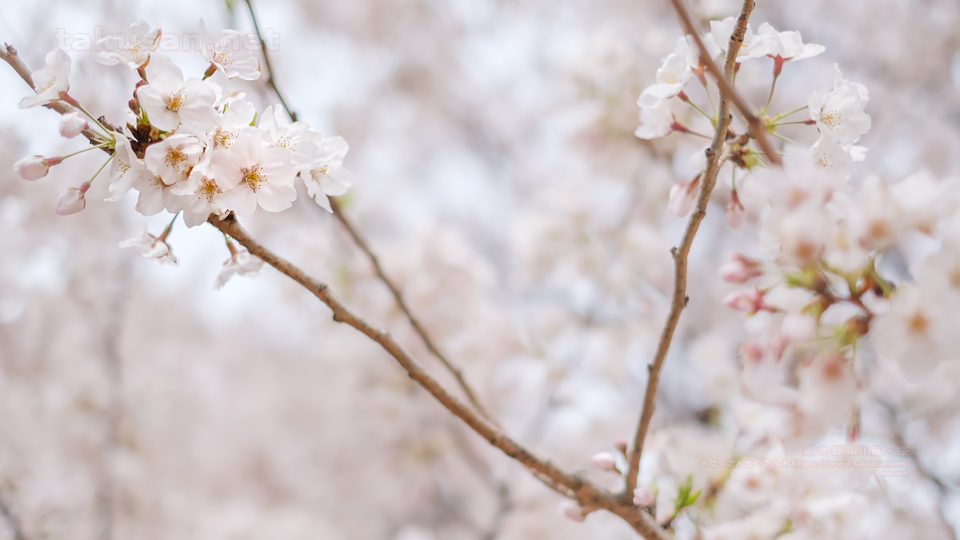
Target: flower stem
{"x": 773, "y": 86}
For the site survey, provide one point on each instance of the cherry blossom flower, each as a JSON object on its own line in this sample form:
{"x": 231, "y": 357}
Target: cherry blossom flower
{"x": 73, "y": 200}
{"x": 255, "y": 174}
{"x": 655, "y": 121}
{"x": 748, "y": 300}
{"x": 278, "y": 131}
{"x": 169, "y": 100}
{"x": 782, "y": 46}
{"x": 232, "y": 54}
{"x": 172, "y": 158}
{"x": 672, "y": 76}
{"x": 720, "y": 32}
{"x": 605, "y": 461}
{"x": 201, "y": 193}
{"x": 916, "y": 330}
{"x": 326, "y": 176}
{"x": 572, "y": 510}
{"x": 682, "y": 197}
{"x": 237, "y": 117}
{"x": 32, "y": 167}
{"x": 240, "y": 263}
{"x": 740, "y": 269}
{"x": 49, "y": 82}
{"x": 151, "y": 247}
{"x": 643, "y": 497}
{"x": 132, "y": 47}
{"x": 734, "y": 211}
{"x": 830, "y": 157}
{"x": 840, "y": 110}
{"x": 125, "y": 169}
{"x": 154, "y": 195}
{"x": 72, "y": 124}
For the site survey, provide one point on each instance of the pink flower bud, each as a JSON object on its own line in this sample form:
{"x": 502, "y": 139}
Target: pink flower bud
{"x": 643, "y": 497}
{"x": 682, "y": 197}
{"x": 740, "y": 269}
{"x": 573, "y": 511}
{"x": 605, "y": 461}
{"x": 735, "y": 212}
{"x": 72, "y": 124}
{"x": 620, "y": 444}
{"x": 748, "y": 300}
{"x": 32, "y": 168}
{"x": 73, "y": 201}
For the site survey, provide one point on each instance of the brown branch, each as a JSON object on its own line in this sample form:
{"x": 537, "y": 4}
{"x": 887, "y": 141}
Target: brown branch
{"x": 398, "y": 297}
{"x": 266, "y": 63}
{"x": 585, "y": 493}
{"x": 9, "y": 55}
{"x": 680, "y": 254}
{"x": 754, "y": 126}
{"x": 365, "y": 247}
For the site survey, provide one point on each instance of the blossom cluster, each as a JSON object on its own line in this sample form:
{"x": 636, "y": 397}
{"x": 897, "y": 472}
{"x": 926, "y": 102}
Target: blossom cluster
{"x": 190, "y": 148}
{"x": 824, "y": 295}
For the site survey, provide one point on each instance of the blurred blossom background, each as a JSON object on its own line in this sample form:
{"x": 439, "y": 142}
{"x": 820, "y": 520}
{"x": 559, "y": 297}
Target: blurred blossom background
{"x": 497, "y": 176}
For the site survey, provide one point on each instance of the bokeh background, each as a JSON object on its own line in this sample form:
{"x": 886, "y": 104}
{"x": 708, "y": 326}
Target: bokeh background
{"x": 498, "y": 178}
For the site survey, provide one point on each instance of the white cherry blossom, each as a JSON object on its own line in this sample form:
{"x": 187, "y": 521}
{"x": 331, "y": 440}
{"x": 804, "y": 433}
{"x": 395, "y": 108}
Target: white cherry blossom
{"x": 232, "y": 52}
{"x": 655, "y": 121}
{"x": 49, "y": 82}
{"x": 72, "y": 124}
{"x": 151, "y": 247}
{"x": 278, "y": 131}
{"x": 840, "y": 111}
{"x": 132, "y": 47}
{"x": 240, "y": 263}
{"x": 172, "y": 158}
{"x": 784, "y": 46}
{"x": 200, "y": 192}
{"x": 672, "y": 75}
{"x": 255, "y": 174}
{"x": 169, "y": 100}
{"x": 326, "y": 176}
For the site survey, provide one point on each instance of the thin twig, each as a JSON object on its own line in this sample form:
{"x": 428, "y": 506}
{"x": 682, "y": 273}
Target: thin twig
{"x": 681, "y": 253}
{"x": 753, "y": 123}
{"x": 266, "y": 63}
{"x": 398, "y": 297}
{"x": 584, "y": 492}
{"x": 365, "y": 247}
{"x": 11, "y": 520}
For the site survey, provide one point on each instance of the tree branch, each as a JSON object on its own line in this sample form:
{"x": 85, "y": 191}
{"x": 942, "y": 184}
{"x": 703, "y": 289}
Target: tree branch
{"x": 398, "y": 297}
{"x": 754, "y": 125}
{"x": 365, "y": 247}
{"x": 585, "y": 493}
{"x": 681, "y": 253}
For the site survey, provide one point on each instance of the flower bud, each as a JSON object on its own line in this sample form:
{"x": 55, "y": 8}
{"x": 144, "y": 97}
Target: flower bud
{"x": 734, "y": 212}
{"x": 682, "y": 197}
{"x": 73, "y": 201}
{"x": 573, "y": 511}
{"x": 740, "y": 269}
{"x": 605, "y": 461}
{"x": 748, "y": 300}
{"x": 621, "y": 444}
{"x": 72, "y": 124}
{"x": 32, "y": 168}
{"x": 643, "y": 497}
